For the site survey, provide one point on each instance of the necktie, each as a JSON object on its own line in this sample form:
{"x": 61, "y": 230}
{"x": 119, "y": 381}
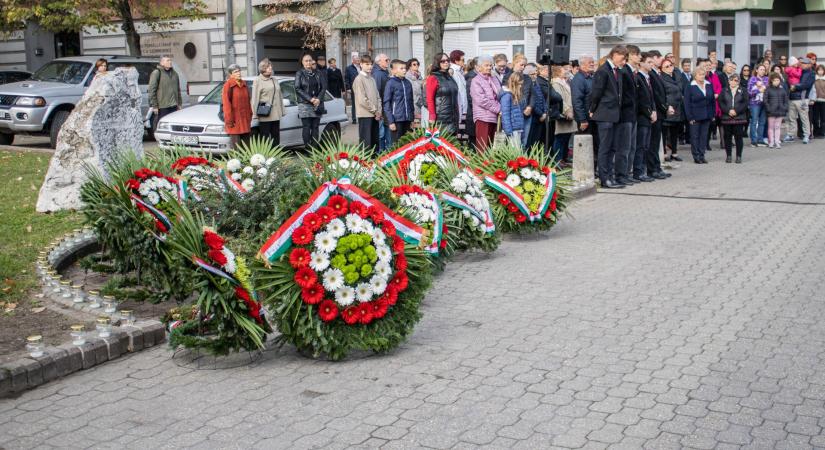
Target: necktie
{"x": 616, "y": 73}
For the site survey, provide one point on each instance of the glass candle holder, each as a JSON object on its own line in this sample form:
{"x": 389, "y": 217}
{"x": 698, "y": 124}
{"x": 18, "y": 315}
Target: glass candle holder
{"x": 66, "y": 289}
{"x": 127, "y": 317}
{"x": 109, "y": 304}
{"x": 78, "y": 335}
{"x": 79, "y": 295}
{"x": 94, "y": 299}
{"x": 56, "y": 284}
{"x": 35, "y": 346}
{"x": 104, "y": 327}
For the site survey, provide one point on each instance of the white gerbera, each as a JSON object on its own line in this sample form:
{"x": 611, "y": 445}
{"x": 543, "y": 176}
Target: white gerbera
{"x": 324, "y": 242}
{"x": 248, "y": 170}
{"x": 543, "y": 180}
{"x": 383, "y": 252}
{"x": 363, "y": 292}
{"x": 248, "y": 184}
{"x": 526, "y": 173}
{"x": 353, "y": 222}
{"x": 378, "y": 285}
{"x": 233, "y": 165}
{"x": 333, "y": 279}
{"x": 344, "y": 163}
{"x": 257, "y": 160}
{"x": 236, "y": 176}
{"x": 319, "y": 261}
{"x": 459, "y": 185}
{"x": 366, "y": 227}
{"x": 262, "y": 172}
{"x": 336, "y": 228}
{"x": 382, "y": 269}
{"x": 513, "y": 180}
{"x": 377, "y": 235}
{"x": 345, "y": 295}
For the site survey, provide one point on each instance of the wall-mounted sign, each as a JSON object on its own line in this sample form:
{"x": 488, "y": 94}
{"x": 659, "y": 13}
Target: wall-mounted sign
{"x": 190, "y": 50}
{"x": 657, "y": 19}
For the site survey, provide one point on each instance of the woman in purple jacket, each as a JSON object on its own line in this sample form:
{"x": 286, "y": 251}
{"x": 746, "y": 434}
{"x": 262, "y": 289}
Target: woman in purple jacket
{"x": 757, "y": 84}
{"x": 484, "y": 91}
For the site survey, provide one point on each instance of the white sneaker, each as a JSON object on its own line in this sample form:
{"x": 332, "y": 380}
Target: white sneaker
{"x": 778, "y": 145}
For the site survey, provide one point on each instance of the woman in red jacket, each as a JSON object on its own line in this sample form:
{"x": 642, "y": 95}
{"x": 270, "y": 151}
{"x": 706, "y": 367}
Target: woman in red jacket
{"x": 237, "y": 111}
{"x": 442, "y": 95}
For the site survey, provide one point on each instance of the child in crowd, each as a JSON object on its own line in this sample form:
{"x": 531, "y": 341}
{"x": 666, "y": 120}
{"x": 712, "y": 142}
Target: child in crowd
{"x": 512, "y": 116}
{"x": 399, "y": 101}
{"x": 367, "y": 104}
{"x": 776, "y": 105}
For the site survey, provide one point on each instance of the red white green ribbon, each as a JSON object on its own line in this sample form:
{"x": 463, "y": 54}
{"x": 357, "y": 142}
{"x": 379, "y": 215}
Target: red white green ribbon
{"x": 549, "y": 187}
{"x": 457, "y": 202}
{"x": 437, "y": 227}
{"x": 281, "y": 240}
{"x": 214, "y": 270}
{"x": 430, "y": 136}
{"x": 185, "y": 193}
{"x": 156, "y": 213}
{"x": 518, "y": 200}
{"x": 234, "y": 184}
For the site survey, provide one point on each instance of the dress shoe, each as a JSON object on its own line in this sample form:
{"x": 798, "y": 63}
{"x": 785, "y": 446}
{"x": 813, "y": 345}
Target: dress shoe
{"x": 738, "y": 160}
{"x": 623, "y": 182}
{"x": 697, "y": 161}
{"x": 658, "y": 175}
{"x": 668, "y": 159}
{"x": 609, "y": 184}
{"x": 728, "y": 159}
{"x": 704, "y": 161}
{"x": 643, "y": 179}
{"x": 676, "y": 158}
{"x": 665, "y": 174}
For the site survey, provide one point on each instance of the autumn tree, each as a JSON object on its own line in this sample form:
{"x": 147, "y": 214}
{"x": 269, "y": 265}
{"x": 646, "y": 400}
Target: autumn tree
{"x": 102, "y": 15}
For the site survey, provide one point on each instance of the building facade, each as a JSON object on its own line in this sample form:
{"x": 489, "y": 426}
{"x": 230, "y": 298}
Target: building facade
{"x": 738, "y": 29}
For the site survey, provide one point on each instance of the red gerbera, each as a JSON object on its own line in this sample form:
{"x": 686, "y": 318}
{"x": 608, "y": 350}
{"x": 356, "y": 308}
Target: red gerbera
{"x": 338, "y": 204}
{"x": 533, "y": 163}
{"x": 133, "y": 184}
{"x": 443, "y": 244}
{"x": 401, "y": 262}
{"x": 388, "y": 228}
{"x": 520, "y": 218}
{"x": 522, "y": 161}
{"x": 500, "y": 174}
{"x": 327, "y": 310}
{"x": 313, "y": 221}
{"x": 400, "y": 280}
{"x": 512, "y": 164}
{"x": 555, "y": 195}
{"x": 350, "y": 315}
{"x": 512, "y": 208}
{"x": 391, "y": 295}
{"x": 364, "y": 313}
{"x": 545, "y": 170}
{"x": 503, "y": 199}
{"x": 305, "y": 277}
{"x": 325, "y": 213}
{"x": 379, "y": 308}
{"x": 548, "y": 214}
{"x": 397, "y": 244}
{"x": 302, "y": 235}
{"x": 553, "y": 205}
{"x": 343, "y": 155}
{"x": 313, "y": 294}
{"x": 358, "y": 208}
{"x": 253, "y": 306}
{"x": 217, "y": 256}
{"x": 299, "y": 257}
{"x": 213, "y": 240}
{"x": 376, "y": 215}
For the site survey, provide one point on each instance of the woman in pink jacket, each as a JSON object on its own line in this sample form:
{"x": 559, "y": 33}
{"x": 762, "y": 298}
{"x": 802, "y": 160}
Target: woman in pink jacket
{"x": 713, "y": 78}
{"x": 484, "y": 91}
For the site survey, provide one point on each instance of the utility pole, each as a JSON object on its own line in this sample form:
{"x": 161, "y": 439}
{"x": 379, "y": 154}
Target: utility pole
{"x": 229, "y": 40}
{"x": 250, "y": 41}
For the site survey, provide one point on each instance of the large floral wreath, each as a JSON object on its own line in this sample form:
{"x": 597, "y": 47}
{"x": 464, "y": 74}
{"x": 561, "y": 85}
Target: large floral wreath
{"x": 333, "y": 161}
{"x": 152, "y": 192}
{"x": 464, "y": 197}
{"x": 422, "y": 155}
{"x": 196, "y": 174}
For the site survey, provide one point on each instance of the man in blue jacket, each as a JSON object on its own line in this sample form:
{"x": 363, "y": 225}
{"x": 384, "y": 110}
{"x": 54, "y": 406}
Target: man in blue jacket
{"x": 399, "y": 106}
{"x": 580, "y": 88}
{"x": 352, "y": 72}
{"x": 605, "y": 108}
{"x": 799, "y": 100}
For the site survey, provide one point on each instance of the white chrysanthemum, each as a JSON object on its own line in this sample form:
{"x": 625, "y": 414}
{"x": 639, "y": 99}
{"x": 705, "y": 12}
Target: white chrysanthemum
{"x": 344, "y": 163}
{"x": 325, "y": 242}
{"x": 248, "y": 184}
{"x": 383, "y": 252}
{"x": 378, "y": 285}
{"x": 262, "y": 172}
{"x": 367, "y": 227}
{"x": 333, "y": 279}
{"x": 237, "y": 176}
{"x": 459, "y": 185}
{"x": 353, "y": 222}
{"x": 319, "y": 261}
{"x": 336, "y": 228}
{"x": 526, "y": 173}
{"x": 270, "y": 161}
{"x": 230, "y": 260}
{"x": 363, "y": 292}
{"x": 513, "y": 180}
{"x": 144, "y": 189}
{"x": 233, "y": 165}
{"x": 378, "y": 235}
{"x": 257, "y": 160}
{"x": 543, "y": 180}
{"x": 345, "y": 295}
{"x": 248, "y": 170}
{"x": 382, "y": 269}
{"x": 153, "y": 198}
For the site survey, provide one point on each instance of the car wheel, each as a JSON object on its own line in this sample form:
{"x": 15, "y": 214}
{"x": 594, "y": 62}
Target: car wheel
{"x": 331, "y": 133}
{"x": 6, "y": 138}
{"x": 57, "y": 123}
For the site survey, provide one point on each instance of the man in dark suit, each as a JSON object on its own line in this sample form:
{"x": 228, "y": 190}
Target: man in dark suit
{"x": 335, "y": 79}
{"x": 645, "y": 117}
{"x": 684, "y": 80}
{"x": 349, "y": 77}
{"x": 654, "y": 164}
{"x": 625, "y": 141}
{"x": 605, "y": 109}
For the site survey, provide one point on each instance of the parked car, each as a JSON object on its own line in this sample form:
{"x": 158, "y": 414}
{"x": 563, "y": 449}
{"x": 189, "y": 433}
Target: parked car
{"x": 40, "y": 105}
{"x": 200, "y": 128}
{"x": 10, "y": 76}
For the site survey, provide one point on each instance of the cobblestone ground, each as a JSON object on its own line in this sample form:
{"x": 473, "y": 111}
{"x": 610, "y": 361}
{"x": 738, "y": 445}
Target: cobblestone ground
{"x": 647, "y": 322}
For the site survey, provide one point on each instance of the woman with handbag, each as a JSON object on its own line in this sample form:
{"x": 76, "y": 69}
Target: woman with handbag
{"x": 267, "y": 102}
{"x": 733, "y": 102}
{"x": 565, "y": 125}
{"x": 310, "y": 88}
{"x": 236, "y": 107}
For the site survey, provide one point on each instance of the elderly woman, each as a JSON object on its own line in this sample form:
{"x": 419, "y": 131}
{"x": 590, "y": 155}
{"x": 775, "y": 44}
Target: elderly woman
{"x": 700, "y": 109}
{"x": 565, "y": 125}
{"x": 310, "y": 87}
{"x": 267, "y": 102}
{"x": 733, "y": 101}
{"x": 237, "y": 111}
{"x": 484, "y": 90}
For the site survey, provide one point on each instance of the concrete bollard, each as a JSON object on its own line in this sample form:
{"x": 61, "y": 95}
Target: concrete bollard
{"x": 583, "y": 178}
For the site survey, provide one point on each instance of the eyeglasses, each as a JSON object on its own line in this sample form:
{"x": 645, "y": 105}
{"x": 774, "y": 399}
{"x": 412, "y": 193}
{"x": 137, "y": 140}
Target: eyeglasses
{"x": 666, "y": 67}
{"x": 414, "y": 64}
{"x": 445, "y": 61}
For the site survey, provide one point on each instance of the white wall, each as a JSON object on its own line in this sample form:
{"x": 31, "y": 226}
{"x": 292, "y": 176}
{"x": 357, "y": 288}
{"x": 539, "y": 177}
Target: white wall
{"x": 13, "y": 52}
{"x": 658, "y": 37}
{"x": 808, "y": 34}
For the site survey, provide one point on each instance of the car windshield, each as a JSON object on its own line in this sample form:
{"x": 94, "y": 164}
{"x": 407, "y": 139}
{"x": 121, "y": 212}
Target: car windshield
{"x": 70, "y": 72}
{"x": 214, "y": 96}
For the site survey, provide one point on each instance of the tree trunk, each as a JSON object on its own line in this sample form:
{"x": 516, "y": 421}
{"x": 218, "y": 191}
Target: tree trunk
{"x": 434, "y": 14}
{"x": 124, "y": 10}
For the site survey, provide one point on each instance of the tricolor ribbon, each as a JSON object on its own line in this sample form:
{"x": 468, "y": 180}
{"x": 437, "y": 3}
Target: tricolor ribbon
{"x": 438, "y": 227}
{"x": 214, "y": 270}
{"x": 184, "y": 193}
{"x": 517, "y": 198}
{"x": 457, "y": 202}
{"x": 430, "y": 136}
{"x": 154, "y": 212}
{"x": 281, "y": 240}
{"x": 234, "y": 184}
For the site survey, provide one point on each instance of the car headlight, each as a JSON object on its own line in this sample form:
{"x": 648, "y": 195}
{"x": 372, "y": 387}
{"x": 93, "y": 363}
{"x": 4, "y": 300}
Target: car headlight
{"x": 30, "y": 101}
{"x": 163, "y": 126}
{"x": 214, "y": 129}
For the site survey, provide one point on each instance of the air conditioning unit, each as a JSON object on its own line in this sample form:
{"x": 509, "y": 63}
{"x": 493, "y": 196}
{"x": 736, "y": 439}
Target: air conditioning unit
{"x": 611, "y": 25}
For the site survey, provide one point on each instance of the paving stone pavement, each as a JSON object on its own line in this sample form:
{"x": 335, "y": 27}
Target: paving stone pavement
{"x": 647, "y": 321}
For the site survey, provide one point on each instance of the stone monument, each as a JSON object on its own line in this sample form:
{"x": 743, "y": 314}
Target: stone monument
{"x": 105, "y": 124}
{"x": 583, "y": 178}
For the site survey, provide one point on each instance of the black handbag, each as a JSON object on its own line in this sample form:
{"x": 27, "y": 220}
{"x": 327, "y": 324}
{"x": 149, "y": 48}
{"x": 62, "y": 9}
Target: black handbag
{"x": 265, "y": 109}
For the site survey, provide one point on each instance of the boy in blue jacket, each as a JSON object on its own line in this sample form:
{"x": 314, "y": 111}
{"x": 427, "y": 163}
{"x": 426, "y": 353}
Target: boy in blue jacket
{"x": 399, "y": 105}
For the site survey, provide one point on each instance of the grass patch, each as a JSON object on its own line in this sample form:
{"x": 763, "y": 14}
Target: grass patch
{"x": 24, "y": 232}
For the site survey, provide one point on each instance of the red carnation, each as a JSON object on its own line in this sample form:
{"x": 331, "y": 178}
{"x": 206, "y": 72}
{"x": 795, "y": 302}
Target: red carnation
{"x": 478, "y": 172}
{"x": 401, "y": 262}
{"x": 533, "y": 163}
{"x": 400, "y": 280}
{"x": 253, "y": 306}
{"x": 443, "y": 244}
{"x": 313, "y": 221}
{"x": 376, "y": 215}
{"x": 522, "y": 161}
{"x": 338, "y": 205}
{"x": 388, "y": 228}
{"x": 305, "y": 277}
{"x": 512, "y": 164}
{"x": 313, "y": 294}
{"x": 503, "y": 199}
{"x": 553, "y": 205}
{"x": 213, "y": 240}
{"x": 548, "y": 214}
{"x": 397, "y": 244}
{"x": 358, "y": 208}
{"x": 520, "y": 218}
{"x": 356, "y": 158}
{"x": 379, "y": 308}
{"x": 364, "y": 313}
{"x": 500, "y": 174}
{"x": 391, "y": 295}
{"x": 217, "y": 256}
{"x": 512, "y": 208}
{"x": 350, "y": 315}
{"x": 299, "y": 257}
{"x": 545, "y": 170}
{"x": 325, "y": 213}
{"x": 555, "y": 195}
{"x": 343, "y": 155}
{"x": 327, "y": 310}
{"x": 302, "y": 235}
{"x": 133, "y": 184}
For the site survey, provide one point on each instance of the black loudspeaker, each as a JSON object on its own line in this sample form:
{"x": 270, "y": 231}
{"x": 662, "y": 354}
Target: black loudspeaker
{"x": 554, "y": 38}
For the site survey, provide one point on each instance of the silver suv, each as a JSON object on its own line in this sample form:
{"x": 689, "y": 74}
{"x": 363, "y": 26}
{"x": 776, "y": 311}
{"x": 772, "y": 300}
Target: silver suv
{"x": 40, "y": 105}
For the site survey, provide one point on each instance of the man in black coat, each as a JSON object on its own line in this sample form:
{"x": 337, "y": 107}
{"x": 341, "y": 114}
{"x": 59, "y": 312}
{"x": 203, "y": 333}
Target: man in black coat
{"x": 335, "y": 79}
{"x": 349, "y": 76}
{"x": 645, "y": 117}
{"x": 654, "y": 164}
{"x": 605, "y": 109}
{"x": 625, "y": 141}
